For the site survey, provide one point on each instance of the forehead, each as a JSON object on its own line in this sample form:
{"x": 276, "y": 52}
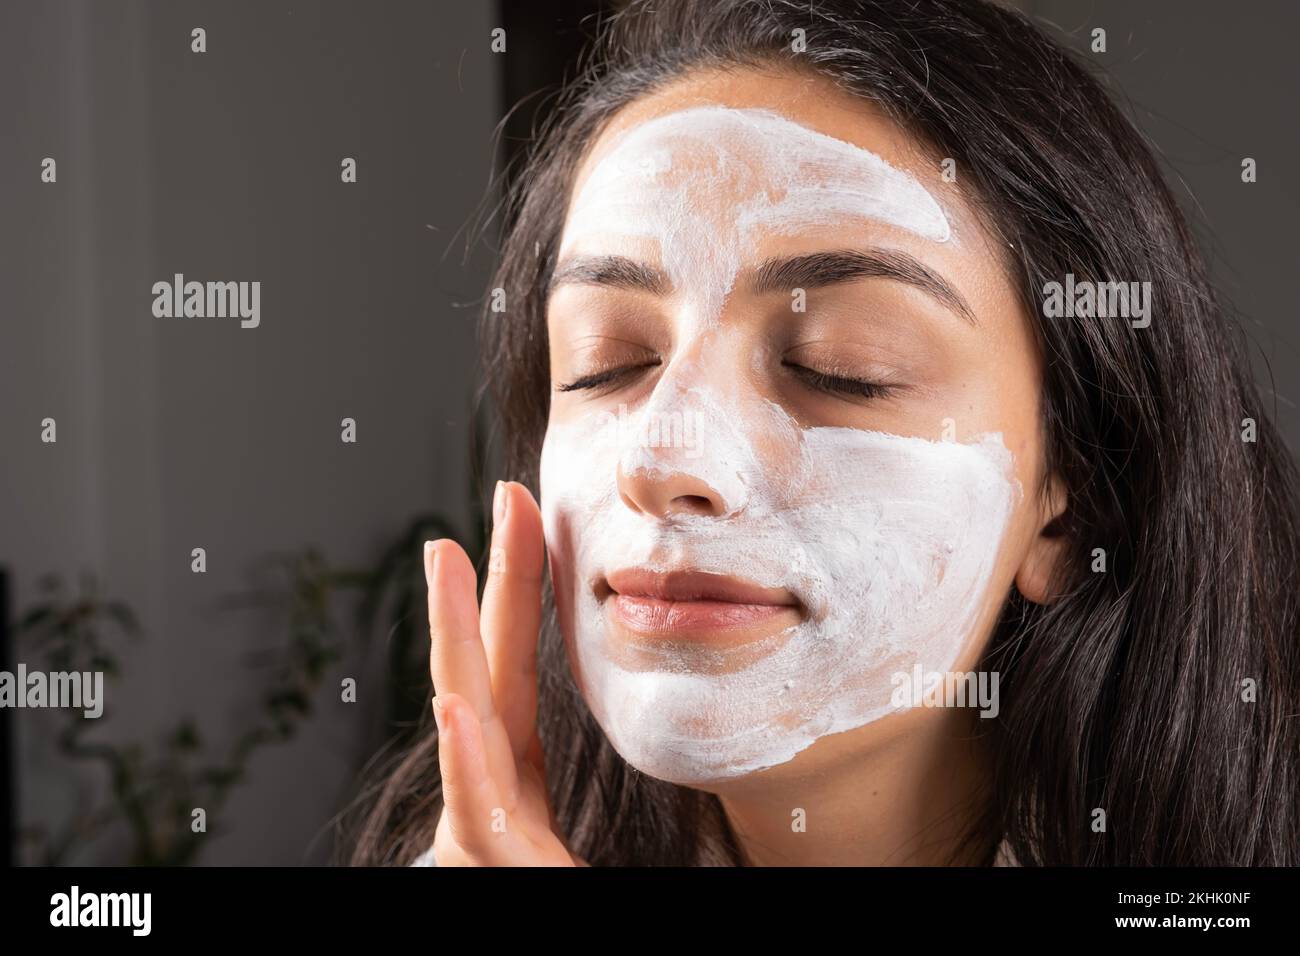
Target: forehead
{"x": 721, "y": 172}
{"x": 807, "y": 102}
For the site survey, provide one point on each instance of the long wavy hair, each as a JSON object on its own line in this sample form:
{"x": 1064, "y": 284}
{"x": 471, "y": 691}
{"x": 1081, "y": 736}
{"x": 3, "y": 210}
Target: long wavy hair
{"x": 1126, "y": 694}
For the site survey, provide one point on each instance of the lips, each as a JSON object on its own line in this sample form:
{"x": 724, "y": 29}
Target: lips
{"x": 685, "y": 603}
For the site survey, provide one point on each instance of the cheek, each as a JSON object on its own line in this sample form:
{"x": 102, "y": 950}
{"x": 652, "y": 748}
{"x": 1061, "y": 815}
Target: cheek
{"x": 562, "y": 513}
{"x": 1008, "y": 555}
{"x": 1026, "y": 439}
{"x": 907, "y": 538}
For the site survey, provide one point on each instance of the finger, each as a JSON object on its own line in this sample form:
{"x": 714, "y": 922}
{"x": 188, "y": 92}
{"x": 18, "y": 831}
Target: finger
{"x": 473, "y": 809}
{"x": 512, "y": 611}
{"x": 457, "y": 661}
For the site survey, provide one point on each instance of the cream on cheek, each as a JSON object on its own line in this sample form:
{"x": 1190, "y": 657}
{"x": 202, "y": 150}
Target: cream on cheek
{"x": 888, "y": 541}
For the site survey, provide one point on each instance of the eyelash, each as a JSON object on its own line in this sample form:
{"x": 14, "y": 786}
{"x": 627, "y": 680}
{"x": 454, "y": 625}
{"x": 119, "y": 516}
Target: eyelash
{"x": 597, "y": 379}
{"x": 822, "y": 381}
{"x": 839, "y": 384}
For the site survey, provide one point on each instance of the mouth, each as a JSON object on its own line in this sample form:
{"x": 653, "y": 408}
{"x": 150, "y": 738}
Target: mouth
{"x": 693, "y": 604}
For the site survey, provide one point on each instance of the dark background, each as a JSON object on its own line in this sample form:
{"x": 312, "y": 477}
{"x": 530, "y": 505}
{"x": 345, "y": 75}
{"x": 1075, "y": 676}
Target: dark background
{"x": 182, "y": 433}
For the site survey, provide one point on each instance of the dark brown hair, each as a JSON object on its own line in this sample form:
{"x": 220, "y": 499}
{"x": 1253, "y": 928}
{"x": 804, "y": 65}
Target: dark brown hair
{"x": 1126, "y": 693}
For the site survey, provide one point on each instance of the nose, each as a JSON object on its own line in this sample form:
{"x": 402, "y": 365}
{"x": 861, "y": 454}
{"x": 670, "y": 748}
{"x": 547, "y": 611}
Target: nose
{"x": 660, "y": 491}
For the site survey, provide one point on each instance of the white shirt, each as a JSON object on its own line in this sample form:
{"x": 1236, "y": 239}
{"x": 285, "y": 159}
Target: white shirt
{"x": 425, "y": 859}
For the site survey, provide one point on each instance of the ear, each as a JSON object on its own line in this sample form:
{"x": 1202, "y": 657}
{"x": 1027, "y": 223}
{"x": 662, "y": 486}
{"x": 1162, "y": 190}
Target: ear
{"x": 1047, "y": 550}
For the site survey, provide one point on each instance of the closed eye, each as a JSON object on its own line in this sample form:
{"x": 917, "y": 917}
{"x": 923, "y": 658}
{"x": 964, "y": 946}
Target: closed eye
{"x": 839, "y": 384}
{"x": 605, "y": 377}
{"x": 822, "y": 381}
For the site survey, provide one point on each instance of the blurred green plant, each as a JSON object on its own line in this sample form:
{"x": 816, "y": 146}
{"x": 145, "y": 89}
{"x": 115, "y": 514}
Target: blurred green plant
{"x": 154, "y": 786}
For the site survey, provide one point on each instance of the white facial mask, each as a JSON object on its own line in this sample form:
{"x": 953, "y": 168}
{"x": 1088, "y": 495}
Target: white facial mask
{"x": 704, "y": 184}
{"x": 887, "y": 541}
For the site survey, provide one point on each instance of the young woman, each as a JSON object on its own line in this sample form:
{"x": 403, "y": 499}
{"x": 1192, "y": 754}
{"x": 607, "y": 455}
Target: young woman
{"x": 816, "y": 438}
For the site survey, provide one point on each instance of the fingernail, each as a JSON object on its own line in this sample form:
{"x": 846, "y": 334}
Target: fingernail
{"x": 438, "y": 716}
{"x": 499, "y": 503}
{"x": 430, "y": 557}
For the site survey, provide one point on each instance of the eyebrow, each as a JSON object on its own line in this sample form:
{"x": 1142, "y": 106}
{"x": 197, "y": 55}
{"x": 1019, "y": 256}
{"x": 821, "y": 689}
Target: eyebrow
{"x": 779, "y": 274}
{"x": 847, "y": 265}
{"x": 617, "y": 272}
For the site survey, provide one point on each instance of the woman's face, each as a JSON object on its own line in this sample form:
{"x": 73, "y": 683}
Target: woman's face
{"x": 794, "y": 445}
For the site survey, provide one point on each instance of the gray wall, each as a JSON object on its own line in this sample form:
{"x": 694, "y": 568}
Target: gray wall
{"x": 182, "y": 433}
{"x": 1210, "y": 84}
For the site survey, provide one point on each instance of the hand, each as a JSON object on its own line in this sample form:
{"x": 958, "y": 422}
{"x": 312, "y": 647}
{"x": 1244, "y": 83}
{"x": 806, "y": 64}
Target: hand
{"x": 484, "y": 665}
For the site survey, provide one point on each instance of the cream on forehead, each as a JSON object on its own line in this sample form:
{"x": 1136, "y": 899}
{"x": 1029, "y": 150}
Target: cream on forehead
{"x": 706, "y": 183}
